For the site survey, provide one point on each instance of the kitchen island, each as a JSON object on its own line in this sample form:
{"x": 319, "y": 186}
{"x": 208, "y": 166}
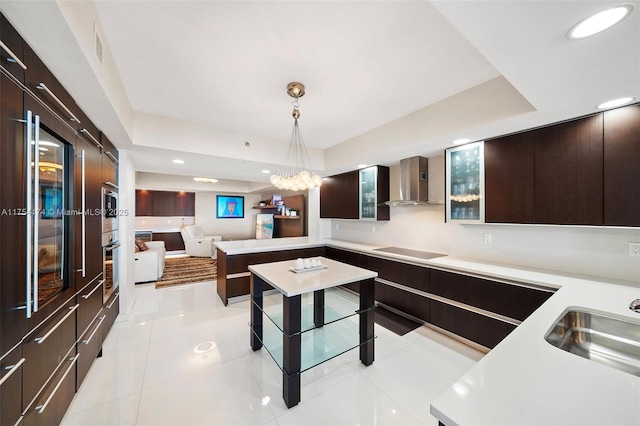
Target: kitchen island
{"x": 305, "y": 344}
{"x": 524, "y": 380}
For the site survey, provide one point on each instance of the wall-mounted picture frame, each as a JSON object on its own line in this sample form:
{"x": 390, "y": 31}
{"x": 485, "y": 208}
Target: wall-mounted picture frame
{"x": 229, "y": 207}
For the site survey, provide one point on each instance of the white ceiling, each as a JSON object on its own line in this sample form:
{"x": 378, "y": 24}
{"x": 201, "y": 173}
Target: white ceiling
{"x": 220, "y": 68}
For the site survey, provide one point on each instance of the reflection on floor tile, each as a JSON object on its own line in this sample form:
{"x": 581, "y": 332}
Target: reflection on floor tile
{"x": 183, "y": 358}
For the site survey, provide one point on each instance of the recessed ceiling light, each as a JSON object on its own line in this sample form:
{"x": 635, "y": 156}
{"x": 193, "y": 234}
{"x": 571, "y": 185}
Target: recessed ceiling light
{"x": 205, "y": 180}
{"x": 600, "y": 21}
{"x": 266, "y": 171}
{"x": 362, "y": 166}
{"x": 461, "y": 141}
{"x": 614, "y": 103}
{"x": 178, "y": 161}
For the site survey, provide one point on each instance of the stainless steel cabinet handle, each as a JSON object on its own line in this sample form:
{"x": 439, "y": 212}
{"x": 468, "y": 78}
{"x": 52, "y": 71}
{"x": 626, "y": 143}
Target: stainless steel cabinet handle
{"x": 110, "y": 155}
{"x": 90, "y": 136}
{"x": 13, "y": 369}
{"x": 43, "y": 407}
{"x": 113, "y": 247}
{"x": 29, "y": 211}
{"x": 36, "y": 214}
{"x": 13, "y": 56}
{"x": 88, "y": 295}
{"x": 114, "y": 299}
{"x": 84, "y": 219}
{"x": 40, "y": 340}
{"x": 44, "y": 87}
{"x": 111, "y": 184}
{"x": 86, "y": 342}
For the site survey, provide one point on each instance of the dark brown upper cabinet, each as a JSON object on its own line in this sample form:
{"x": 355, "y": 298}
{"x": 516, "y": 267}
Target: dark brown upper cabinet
{"x": 165, "y": 203}
{"x": 509, "y": 177}
{"x": 569, "y": 172}
{"x": 144, "y": 202}
{"x": 622, "y": 166}
{"x": 109, "y": 162}
{"x": 339, "y": 196}
{"x": 9, "y": 57}
{"x": 184, "y": 204}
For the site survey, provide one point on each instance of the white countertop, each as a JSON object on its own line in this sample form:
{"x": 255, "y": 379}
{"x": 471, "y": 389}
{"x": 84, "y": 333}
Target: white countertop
{"x": 272, "y": 244}
{"x": 290, "y": 283}
{"x": 525, "y": 380}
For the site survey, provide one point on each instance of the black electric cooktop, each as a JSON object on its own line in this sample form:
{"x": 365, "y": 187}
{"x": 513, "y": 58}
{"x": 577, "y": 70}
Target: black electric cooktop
{"x": 408, "y": 252}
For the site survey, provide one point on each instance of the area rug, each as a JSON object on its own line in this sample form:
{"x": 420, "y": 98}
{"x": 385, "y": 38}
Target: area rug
{"x": 186, "y": 270}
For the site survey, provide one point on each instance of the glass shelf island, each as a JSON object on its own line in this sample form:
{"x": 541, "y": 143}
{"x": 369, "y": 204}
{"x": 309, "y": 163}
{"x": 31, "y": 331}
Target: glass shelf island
{"x": 310, "y": 321}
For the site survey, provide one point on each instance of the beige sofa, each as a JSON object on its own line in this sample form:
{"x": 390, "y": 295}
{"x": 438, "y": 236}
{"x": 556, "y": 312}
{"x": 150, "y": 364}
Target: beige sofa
{"x": 149, "y": 264}
{"x": 197, "y": 244}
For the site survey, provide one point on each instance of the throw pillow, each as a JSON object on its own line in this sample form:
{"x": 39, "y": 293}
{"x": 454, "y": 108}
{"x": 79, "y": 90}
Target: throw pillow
{"x": 141, "y": 244}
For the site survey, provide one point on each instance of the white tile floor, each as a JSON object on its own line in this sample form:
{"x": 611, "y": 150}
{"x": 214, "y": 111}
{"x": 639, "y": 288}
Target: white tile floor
{"x": 151, "y": 373}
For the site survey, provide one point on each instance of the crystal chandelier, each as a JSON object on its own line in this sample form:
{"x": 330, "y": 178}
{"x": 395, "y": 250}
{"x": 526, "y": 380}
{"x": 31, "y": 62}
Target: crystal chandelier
{"x": 294, "y": 175}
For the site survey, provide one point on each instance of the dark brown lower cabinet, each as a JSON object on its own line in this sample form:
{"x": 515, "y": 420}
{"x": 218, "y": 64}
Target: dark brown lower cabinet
{"x": 172, "y": 240}
{"x": 52, "y": 403}
{"x": 233, "y": 270}
{"x": 404, "y": 301}
{"x": 478, "y": 328}
{"x": 89, "y": 304}
{"x": 11, "y": 388}
{"x": 45, "y": 348}
{"x": 509, "y": 300}
{"x": 89, "y": 346}
{"x": 111, "y": 310}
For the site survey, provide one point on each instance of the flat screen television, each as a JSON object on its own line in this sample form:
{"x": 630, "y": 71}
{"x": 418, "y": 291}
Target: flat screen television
{"x": 229, "y": 207}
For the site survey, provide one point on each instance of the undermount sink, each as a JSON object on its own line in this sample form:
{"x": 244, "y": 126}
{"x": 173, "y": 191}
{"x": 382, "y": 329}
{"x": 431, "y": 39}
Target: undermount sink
{"x": 602, "y": 337}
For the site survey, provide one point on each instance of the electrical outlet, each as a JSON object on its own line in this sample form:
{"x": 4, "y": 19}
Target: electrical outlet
{"x": 486, "y": 238}
{"x": 634, "y": 249}
{"x": 337, "y": 226}
{"x": 373, "y": 229}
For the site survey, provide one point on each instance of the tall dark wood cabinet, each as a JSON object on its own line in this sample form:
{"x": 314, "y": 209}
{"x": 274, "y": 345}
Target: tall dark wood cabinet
{"x": 568, "y": 172}
{"x": 39, "y": 351}
{"x": 622, "y": 166}
{"x": 509, "y": 177}
{"x": 339, "y": 196}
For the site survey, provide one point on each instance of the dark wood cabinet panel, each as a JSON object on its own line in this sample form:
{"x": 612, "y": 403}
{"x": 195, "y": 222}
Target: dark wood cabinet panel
{"x": 184, "y": 204}
{"x": 352, "y": 258}
{"x": 172, "y": 240}
{"x": 90, "y": 304}
{"x": 89, "y": 155}
{"x": 569, "y": 172}
{"x": 144, "y": 202}
{"x": 109, "y": 161}
{"x": 401, "y": 273}
{"x": 622, "y": 166}
{"x": 111, "y": 309}
{"x": 382, "y": 193}
{"x": 13, "y": 41}
{"x": 509, "y": 300}
{"x": 89, "y": 347}
{"x": 43, "y": 358}
{"x": 478, "y": 328}
{"x": 59, "y": 392}
{"x": 509, "y": 178}
{"x": 13, "y": 236}
{"x": 163, "y": 203}
{"x": 403, "y": 301}
{"x": 11, "y": 389}
{"x": 339, "y": 196}
{"x": 238, "y": 264}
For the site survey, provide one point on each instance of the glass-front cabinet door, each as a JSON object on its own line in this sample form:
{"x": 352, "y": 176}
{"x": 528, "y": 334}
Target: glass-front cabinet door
{"x": 368, "y": 190}
{"x": 465, "y": 183}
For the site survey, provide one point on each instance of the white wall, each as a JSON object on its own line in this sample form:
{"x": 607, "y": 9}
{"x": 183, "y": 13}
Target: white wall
{"x": 127, "y": 200}
{"x": 596, "y": 251}
{"x": 229, "y": 229}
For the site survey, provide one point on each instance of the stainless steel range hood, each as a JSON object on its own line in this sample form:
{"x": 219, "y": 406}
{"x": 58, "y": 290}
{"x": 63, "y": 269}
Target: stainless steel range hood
{"x": 414, "y": 182}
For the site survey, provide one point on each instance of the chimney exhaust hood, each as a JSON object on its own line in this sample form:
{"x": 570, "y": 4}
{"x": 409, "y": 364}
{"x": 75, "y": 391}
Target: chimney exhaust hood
{"x": 414, "y": 182}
